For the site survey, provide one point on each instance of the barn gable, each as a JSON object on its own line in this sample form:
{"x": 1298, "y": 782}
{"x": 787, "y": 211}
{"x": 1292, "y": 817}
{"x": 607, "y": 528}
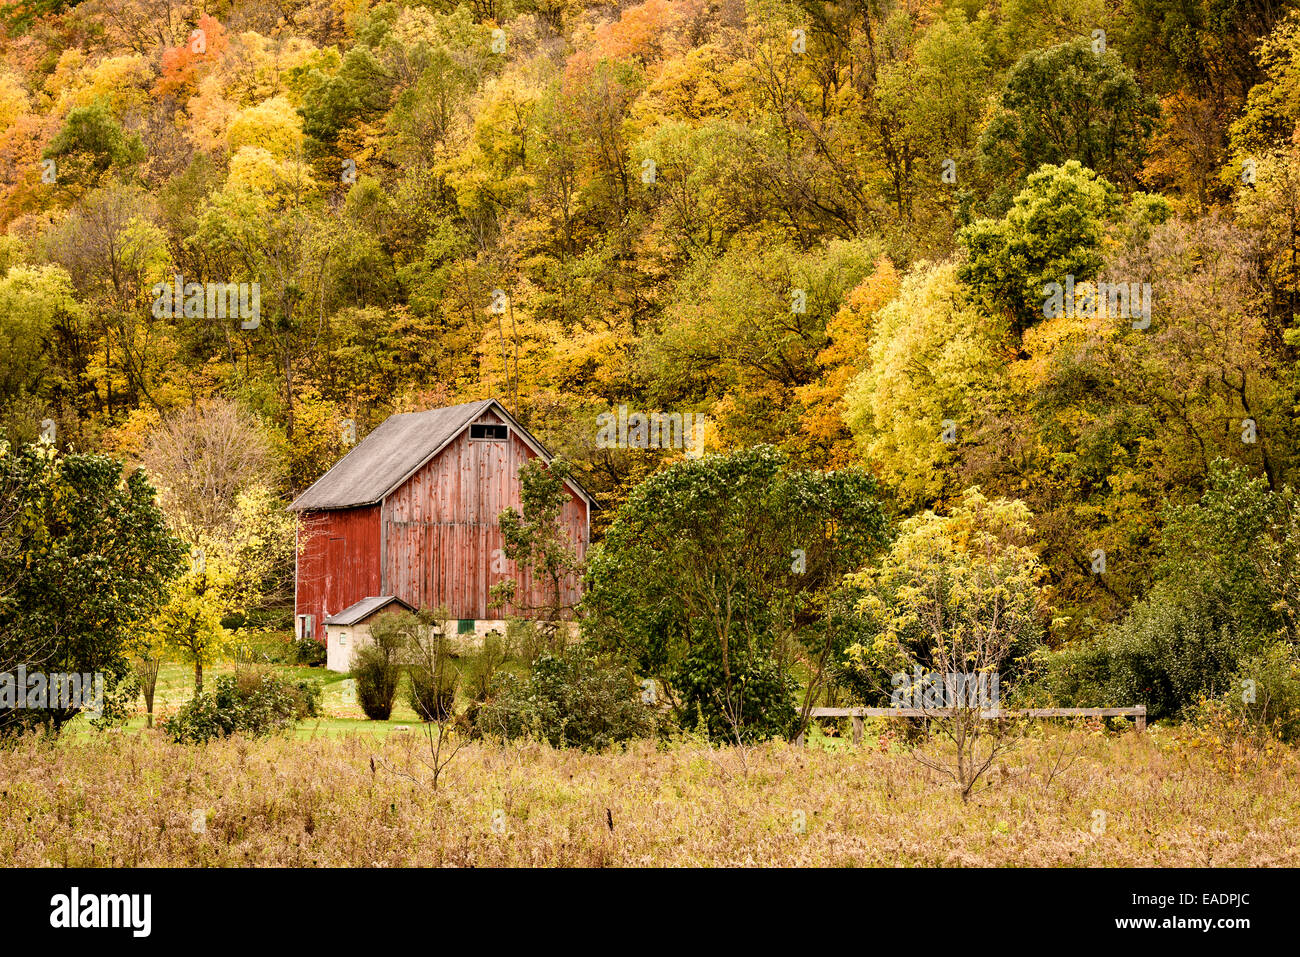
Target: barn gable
{"x": 442, "y": 543}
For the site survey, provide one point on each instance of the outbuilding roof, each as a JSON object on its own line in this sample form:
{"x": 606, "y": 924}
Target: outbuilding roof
{"x": 354, "y": 614}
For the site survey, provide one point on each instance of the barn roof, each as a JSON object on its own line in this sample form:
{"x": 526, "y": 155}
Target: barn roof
{"x": 363, "y": 609}
{"x": 396, "y": 450}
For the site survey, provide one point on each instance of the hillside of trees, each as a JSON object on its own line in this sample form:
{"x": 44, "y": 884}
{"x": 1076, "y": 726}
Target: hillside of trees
{"x": 861, "y": 236}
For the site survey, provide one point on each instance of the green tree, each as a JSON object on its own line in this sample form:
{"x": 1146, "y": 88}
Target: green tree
{"x": 714, "y": 578}
{"x": 1069, "y": 103}
{"x": 537, "y": 537}
{"x": 1054, "y": 228}
{"x": 85, "y": 560}
{"x": 91, "y": 144}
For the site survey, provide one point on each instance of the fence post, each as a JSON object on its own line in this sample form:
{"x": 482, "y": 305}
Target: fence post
{"x": 857, "y": 730}
{"x": 1142, "y": 718}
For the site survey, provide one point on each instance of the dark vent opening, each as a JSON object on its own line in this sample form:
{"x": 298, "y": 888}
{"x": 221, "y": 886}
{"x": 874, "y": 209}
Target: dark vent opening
{"x": 486, "y": 431}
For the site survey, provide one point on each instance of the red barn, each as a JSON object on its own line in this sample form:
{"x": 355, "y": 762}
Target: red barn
{"x": 411, "y": 512}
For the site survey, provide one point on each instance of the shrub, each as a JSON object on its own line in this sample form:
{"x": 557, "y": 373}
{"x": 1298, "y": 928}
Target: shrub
{"x": 1262, "y": 702}
{"x": 571, "y": 700}
{"x": 432, "y": 695}
{"x": 376, "y": 675}
{"x": 480, "y": 667}
{"x": 308, "y": 651}
{"x": 377, "y": 666}
{"x": 763, "y": 693}
{"x": 510, "y": 710}
{"x": 1075, "y": 676}
{"x": 1224, "y": 590}
{"x": 253, "y": 703}
{"x": 1276, "y": 676}
{"x": 1175, "y": 647}
{"x": 429, "y": 652}
{"x": 525, "y": 639}
{"x": 308, "y": 695}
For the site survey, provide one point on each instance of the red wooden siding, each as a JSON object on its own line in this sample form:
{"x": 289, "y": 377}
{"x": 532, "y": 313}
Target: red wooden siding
{"x": 441, "y": 529}
{"x": 338, "y": 560}
{"x": 432, "y": 541}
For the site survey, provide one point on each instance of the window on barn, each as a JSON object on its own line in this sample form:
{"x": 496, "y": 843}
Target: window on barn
{"x": 485, "y": 430}
{"x": 465, "y": 626}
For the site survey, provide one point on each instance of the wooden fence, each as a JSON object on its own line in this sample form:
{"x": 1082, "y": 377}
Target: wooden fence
{"x": 1139, "y": 713}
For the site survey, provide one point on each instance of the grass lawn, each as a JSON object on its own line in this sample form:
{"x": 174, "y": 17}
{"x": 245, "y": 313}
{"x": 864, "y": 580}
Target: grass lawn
{"x": 340, "y": 714}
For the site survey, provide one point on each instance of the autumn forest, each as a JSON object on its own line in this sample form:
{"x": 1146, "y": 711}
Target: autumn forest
{"x": 1022, "y": 274}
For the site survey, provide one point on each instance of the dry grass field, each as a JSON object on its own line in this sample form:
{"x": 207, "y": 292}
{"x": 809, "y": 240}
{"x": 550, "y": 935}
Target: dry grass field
{"x": 130, "y": 798}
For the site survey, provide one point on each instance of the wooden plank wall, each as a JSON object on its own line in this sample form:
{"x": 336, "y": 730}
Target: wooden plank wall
{"x": 441, "y": 531}
{"x": 338, "y": 560}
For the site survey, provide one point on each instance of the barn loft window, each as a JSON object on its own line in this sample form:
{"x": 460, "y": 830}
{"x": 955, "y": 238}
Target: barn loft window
{"x": 485, "y": 430}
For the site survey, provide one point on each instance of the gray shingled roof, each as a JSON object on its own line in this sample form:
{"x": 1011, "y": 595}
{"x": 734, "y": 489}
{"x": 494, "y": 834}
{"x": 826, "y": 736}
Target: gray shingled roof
{"x": 388, "y": 456}
{"x": 364, "y": 609}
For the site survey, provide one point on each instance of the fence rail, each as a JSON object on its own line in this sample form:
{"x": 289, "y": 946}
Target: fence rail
{"x": 1138, "y": 713}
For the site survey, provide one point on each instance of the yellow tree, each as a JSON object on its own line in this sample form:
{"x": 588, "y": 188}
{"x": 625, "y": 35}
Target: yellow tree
{"x": 849, "y": 333}
{"x": 932, "y": 366}
{"x": 958, "y": 596}
{"x": 190, "y": 623}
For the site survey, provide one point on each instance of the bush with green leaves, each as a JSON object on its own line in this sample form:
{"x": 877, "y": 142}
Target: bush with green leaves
{"x": 1174, "y": 647}
{"x": 308, "y": 694}
{"x": 760, "y": 705}
{"x": 1075, "y": 676}
{"x": 308, "y": 651}
{"x": 573, "y": 699}
{"x": 253, "y": 703}
{"x": 1265, "y": 692}
{"x": 1224, "y": 600}
{"x": 377, "y": 664}
{"x": 377, "y": 677}
{"x": 478, "y": 667}
{"x": 432, "y": 690}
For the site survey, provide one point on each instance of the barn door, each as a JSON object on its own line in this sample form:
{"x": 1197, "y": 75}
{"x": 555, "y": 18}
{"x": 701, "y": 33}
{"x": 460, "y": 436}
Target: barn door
{"x": 335, "y": 576}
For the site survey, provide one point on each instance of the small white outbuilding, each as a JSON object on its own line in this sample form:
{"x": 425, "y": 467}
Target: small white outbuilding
{"x": 350, "y": 628}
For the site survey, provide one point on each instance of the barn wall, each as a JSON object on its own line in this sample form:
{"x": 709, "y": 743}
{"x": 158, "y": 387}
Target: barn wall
{"x": 441, "y": 529}
{"x": 338, "y": 560}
